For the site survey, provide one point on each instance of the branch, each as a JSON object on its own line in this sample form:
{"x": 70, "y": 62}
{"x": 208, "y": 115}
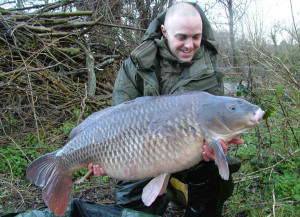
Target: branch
{"x": 122, "y": 26}
{"x": 56, "y": 5}
{"x": 270, "y": 167}
{"x": 47, "y": 7}
{"x": 90, "y": 62}
{"x": 57, "y": 34}
{"x": 48, "y": 15}
{"x": 294, "y": 24}
{"x": 105, "y": 63}
{"x": 72, "y": 25}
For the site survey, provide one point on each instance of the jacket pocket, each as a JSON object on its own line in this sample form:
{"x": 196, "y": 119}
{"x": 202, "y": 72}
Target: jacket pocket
{"x": 144, "y": 55}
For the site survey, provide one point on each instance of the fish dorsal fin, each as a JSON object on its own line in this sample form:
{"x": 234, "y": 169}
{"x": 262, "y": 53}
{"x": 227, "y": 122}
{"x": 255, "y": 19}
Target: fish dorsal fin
{"x": 220, "y": 157}
{"x": 98, "y": 116}
{"x": 90, "y": 120}
{"x": 155, "y": 187}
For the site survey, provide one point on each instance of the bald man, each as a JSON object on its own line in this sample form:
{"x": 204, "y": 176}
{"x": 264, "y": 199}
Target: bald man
{"x": 178, "y": 54}
{"x": 183, "y": 31}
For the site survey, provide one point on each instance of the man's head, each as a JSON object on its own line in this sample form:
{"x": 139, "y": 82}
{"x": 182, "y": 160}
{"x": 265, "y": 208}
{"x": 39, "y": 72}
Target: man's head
{"x": 183, "y": 30}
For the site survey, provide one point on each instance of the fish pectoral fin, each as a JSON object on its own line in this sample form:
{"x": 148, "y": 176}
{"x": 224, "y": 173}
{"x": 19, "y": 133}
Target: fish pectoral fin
{"x": 220, "y": 158}
{"x": 155, "y": 187}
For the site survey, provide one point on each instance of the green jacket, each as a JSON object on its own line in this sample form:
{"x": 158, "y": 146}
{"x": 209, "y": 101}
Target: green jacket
{"x": 150, "y": 64}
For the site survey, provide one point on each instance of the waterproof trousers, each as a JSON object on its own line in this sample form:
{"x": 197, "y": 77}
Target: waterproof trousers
{"x": 207, "y": 191}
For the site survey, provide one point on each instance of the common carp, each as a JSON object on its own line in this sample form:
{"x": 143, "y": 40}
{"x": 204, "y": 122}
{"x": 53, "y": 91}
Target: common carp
{"x": 145, "y": 137}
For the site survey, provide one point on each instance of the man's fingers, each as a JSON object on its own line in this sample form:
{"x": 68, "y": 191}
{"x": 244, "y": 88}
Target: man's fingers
{"x": 204, "y": 156}
{"x": 237, "y": 141}
{"x": 102, "y": 172}
{"x": 224, "y": 145}
{"x": 207, "y": 153}
{"x": 96, "y": 170}
{"x": 90, "y": 166}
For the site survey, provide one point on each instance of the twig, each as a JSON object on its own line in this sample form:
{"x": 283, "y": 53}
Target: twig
{"x": 82, "y": 105}
{"x": 72, "y": 25}
{"x": 57, "y": 34}
{"x": 105, "y": 63}
{"x": 47, "y": 7}
{"x": 5, "y": 3}
{"x": 18, "y": 147}
{"x": 48, "y": 15}
{"x": 90, "y": 62}
{"x": 11, "y": 172}
{"x": 56, "y": 5}
{"x": 33, "y": 109}
{"x": 259, "y": 153}
{"x": 273, "y": 194}
{"x": 12, "y": 186}
{"x": 294, "y": 24}
{"x": 286, "y": 117}
{"x": 274, "y": 202}
{"x": 122, "y": 26}
{"x": 91, "y": 25}
{"x": 270, "y": 167}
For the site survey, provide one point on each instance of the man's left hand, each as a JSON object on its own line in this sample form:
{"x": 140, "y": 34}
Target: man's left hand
{"x": 208, "y": 153}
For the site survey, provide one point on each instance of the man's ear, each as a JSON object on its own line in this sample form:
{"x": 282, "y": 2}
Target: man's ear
{"x": 163, "y": 30}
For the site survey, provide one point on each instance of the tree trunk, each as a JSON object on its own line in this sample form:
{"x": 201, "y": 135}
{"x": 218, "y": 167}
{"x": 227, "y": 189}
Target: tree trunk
{"x": 231, "y": 34}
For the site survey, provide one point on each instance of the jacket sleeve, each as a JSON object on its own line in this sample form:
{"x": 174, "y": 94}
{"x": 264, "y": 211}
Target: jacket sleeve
{"x": 126, "y": 87}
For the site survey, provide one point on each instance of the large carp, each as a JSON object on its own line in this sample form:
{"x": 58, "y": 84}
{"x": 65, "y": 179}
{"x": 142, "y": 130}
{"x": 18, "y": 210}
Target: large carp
{"x": 146, "y": 137}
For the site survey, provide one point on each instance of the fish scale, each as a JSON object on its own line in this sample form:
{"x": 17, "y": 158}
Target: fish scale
{"x": 146, "y": 137}
{"x": 123, "y": 138}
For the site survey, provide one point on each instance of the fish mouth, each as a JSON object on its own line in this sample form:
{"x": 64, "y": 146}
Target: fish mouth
{"x": 258, "y": 115}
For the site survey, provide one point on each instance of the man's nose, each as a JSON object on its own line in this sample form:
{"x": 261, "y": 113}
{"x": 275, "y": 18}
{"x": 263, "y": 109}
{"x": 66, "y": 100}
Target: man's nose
{"x": 189, "y": 43}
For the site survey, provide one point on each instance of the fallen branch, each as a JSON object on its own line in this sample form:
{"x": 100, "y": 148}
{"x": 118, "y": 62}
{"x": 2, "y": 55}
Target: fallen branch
{"x": 49, "y": 15}
{"x": 90, "y": 62}
{"x": 270, "y": 167}
{"x": 105, "y": 63}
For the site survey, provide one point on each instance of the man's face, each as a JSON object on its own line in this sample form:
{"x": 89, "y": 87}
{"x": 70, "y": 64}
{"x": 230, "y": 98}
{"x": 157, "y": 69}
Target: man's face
{"x": 184, "y": 36}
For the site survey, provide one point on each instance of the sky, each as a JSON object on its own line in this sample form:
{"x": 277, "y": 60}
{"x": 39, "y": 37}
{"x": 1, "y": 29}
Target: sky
{"x": 278, "y": 10}
{"x": 267, "y": 12}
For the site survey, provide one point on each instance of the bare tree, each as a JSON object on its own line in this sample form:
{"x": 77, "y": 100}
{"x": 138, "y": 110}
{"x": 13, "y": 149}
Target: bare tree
{"x": 294, "y": 25}
{"x": 235, "y": 10}
{"x": 20, "y": 3}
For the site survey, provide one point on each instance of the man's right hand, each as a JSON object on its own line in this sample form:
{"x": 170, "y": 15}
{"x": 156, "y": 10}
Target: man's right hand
{"x": 208, "y": 153}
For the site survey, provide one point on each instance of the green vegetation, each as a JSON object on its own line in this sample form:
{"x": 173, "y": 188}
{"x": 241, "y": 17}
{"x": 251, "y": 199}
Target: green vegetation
{"x": 268, "y": 182}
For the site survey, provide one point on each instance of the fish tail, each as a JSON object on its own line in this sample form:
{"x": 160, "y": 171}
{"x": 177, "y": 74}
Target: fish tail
{"x": 56, "y": 185}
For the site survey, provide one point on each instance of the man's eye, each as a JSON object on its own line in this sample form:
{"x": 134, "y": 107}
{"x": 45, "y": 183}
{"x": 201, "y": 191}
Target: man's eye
{"x": 181, "y": 37}
{"x": 197, "y": 36}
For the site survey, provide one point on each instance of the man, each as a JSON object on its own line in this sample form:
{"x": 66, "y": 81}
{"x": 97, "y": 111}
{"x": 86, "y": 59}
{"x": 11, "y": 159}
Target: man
{"x": 178, "y": 54}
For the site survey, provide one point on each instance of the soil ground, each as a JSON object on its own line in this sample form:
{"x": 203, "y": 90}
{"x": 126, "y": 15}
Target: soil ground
{"x": 96, "y": 191}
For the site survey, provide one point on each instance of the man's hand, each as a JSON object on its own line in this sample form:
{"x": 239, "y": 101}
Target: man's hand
{"x": 97, "y": 170}
{"x": 208, "y": 153}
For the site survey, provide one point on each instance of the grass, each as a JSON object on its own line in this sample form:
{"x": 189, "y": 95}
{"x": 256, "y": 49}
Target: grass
{"x": 274, "y": 191}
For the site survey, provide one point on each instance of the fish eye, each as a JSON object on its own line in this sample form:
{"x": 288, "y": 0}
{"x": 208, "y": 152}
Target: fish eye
{"x": 232, "y": 108}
